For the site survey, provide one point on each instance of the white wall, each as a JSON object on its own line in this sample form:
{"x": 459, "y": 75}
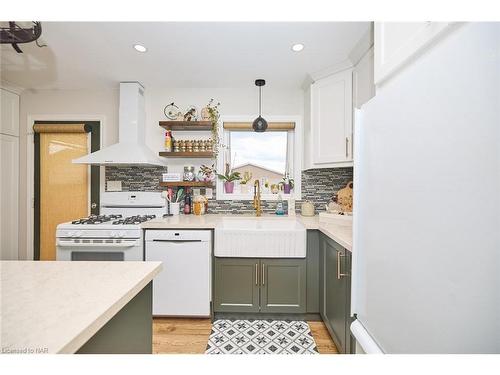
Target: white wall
{"x": 234, "y": 102}
{"x": 103, "y": 105}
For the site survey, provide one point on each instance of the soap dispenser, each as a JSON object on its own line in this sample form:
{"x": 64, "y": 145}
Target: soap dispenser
{"x": 279, "y": 206}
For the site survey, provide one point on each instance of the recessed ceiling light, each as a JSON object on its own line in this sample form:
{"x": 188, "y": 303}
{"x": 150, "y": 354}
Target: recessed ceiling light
{"x": 140, "y": 48}
{"x": 297, "y": 47}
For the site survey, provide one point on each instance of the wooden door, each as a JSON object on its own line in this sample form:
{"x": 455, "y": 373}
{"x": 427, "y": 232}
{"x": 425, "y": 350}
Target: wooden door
{"x": 236, "y": 285}
{"x": 283, "y": 285}
{"x": 64, "y": 186}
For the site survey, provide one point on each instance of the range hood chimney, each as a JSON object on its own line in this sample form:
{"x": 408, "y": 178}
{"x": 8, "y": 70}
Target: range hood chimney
{"x": 131, "y": 147}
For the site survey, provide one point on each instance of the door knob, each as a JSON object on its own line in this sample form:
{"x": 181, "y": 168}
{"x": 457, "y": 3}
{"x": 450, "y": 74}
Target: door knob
{"x": 93, "y": 205}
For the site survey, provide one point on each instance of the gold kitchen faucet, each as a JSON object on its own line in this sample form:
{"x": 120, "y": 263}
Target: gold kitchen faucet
{"x": 256, "y": 198}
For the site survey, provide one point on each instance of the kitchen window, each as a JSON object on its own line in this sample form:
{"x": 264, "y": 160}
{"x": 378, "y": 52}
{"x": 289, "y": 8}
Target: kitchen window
{"x": 267, "y": 156}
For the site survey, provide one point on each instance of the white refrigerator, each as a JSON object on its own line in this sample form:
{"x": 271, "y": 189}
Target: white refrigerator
{"x": 426, "y": 250}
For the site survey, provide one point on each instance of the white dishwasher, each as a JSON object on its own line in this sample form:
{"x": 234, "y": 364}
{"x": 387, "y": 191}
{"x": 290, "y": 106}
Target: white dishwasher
{"x": 183, "y": 287}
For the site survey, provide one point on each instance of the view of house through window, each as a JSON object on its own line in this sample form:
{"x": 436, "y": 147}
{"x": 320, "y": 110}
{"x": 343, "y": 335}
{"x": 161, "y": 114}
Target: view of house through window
{"x": 260, "y": 156}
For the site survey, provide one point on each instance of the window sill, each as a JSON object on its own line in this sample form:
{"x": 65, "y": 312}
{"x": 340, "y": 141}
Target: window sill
{"x": 249, "y": 197}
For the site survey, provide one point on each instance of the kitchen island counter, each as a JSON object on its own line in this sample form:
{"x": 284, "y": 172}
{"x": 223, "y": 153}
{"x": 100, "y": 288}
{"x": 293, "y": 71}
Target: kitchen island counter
{"x": 60, "y": 307}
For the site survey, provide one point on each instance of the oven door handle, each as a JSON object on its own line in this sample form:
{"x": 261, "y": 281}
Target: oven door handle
{"x": 124, "y": 244}
{"x": 177, "y": 241}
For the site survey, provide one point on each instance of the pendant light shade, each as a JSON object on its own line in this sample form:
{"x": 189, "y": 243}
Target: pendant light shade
{"x": 260, "y": 124}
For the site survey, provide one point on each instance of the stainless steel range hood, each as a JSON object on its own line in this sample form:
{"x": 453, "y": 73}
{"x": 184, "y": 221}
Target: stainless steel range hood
{"x": 131, "y": 147}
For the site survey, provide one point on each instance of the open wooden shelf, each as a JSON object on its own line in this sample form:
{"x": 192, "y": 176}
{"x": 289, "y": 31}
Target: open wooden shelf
{"x": 186, "y": 125}
{"x": 200, "y": 154}
{"x": 188, "y": 183}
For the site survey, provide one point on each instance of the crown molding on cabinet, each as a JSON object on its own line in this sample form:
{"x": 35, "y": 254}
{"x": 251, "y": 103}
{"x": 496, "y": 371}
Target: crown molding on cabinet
{"x": 356, "y": 54}
{"x": 343, "y": 65}
{"x": 362, "y": 47}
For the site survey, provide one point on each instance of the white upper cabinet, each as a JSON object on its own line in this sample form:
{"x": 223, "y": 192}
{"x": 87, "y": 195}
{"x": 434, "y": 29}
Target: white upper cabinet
{"x": 397, "y": 42}
{"x": 331, "y": 121}
{"x": 9, "y": 121}
{"x": 363, "y": 87}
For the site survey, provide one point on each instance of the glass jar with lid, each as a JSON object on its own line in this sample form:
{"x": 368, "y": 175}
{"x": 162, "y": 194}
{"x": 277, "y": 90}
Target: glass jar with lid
{"x": 189, "y": 174}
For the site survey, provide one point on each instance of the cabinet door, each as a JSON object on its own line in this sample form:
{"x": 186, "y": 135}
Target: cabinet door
{"x": 283, "y": 285}
{"x": 397, "y": 42}
{"x": 331, "y": 120}
{"x": 236, "y": 285}
{"x": 335, "y": 289}
{"x": 9, "y": 187}
{"x": 313, "y": 272}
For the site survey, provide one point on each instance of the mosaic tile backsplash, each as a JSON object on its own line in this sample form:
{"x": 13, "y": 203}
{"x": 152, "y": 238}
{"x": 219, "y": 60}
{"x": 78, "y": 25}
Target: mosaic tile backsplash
{"x": 318, "y": 186}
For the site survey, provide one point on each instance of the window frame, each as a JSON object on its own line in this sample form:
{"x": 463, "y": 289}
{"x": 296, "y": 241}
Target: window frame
{"x": 294, "y": 158}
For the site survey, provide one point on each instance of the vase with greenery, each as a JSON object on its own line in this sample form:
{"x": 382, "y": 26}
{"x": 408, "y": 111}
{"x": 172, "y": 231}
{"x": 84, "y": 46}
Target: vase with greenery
{"x": 287, "y": 183}
{"x": 214, "y": 115}
{"x": 247, "y": 176}
{"x": 229, "y": 177}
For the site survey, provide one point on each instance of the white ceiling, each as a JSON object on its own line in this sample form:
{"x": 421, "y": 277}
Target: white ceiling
{"x": 96, "y": 55}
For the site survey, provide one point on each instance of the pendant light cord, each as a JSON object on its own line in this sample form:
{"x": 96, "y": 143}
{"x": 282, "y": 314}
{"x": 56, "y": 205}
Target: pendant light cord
{"x": 260, "y": 101}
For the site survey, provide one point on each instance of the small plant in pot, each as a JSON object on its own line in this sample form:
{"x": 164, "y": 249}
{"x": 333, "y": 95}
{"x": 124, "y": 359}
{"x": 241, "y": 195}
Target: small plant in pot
{"x": 229, "y": 177}
{"x": 247, "y": 176}
{"x": 287, "y": 184}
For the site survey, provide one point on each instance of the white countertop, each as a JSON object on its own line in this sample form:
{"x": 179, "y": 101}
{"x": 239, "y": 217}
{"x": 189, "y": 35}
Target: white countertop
{"x": 338, "y": 230}
{"x": 55, "y": 307}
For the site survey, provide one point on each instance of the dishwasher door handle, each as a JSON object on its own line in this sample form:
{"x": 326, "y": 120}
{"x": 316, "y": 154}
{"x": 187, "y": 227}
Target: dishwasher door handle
{"x": 177, "y": 241}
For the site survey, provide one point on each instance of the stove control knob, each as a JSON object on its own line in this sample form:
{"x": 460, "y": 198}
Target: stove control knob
{"x": 71, "y": 234}
{"x": 121, "y": 234}
{"x": 113, "y": 234}
{"x": 78, "y": 234}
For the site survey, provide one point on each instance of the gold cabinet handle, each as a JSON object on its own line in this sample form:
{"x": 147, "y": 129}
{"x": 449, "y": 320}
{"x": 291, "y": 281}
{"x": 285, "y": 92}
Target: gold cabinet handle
{"x": 256, "y": 274}
{"x": 263, "y": 275}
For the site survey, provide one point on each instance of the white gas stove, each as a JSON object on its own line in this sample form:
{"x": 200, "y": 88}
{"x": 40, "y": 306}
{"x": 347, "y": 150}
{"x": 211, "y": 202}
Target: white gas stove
{"x": 115, "y": 234}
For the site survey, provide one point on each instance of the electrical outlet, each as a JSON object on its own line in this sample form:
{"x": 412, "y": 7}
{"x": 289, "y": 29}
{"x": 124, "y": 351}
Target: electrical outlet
{"x": 114, "y": 186}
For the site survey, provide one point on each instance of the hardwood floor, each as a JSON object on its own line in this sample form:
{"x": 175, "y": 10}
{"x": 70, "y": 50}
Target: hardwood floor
{"x": 322, "y": 337}
{"x": 190, "y": 336}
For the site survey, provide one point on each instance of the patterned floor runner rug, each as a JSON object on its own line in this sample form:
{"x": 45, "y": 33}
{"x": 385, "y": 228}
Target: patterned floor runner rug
{"x": 230, "y": 336}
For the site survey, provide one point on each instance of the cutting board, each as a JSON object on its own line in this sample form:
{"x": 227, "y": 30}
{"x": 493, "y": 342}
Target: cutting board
{"x": 344, "y": 197}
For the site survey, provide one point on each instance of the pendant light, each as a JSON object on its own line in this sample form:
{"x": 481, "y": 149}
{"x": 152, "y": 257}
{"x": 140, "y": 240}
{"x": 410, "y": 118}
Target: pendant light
{"x": 259, "y": 124}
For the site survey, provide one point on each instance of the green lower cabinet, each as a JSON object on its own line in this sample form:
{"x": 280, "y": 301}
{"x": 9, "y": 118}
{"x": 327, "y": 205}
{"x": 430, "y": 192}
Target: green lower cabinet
{"x": 335, "y": 289}
{"x": 283, "y": 286}
{"x": 236, "y": 285}
{"x": 250, "y": 285}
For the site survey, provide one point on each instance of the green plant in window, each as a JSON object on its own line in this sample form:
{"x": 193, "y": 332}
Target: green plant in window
{"x": 247, "y": 176}
{"x": 229, "y": 175}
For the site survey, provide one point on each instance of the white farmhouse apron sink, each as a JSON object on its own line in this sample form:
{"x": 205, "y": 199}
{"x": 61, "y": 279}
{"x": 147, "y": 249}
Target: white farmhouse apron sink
{"x": 260, "y": 237}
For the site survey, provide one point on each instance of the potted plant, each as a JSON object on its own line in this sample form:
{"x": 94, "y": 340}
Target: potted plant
{"x": 247, "y": 176}
{"x": 287, "y": 184}
{"x": 229, "y": 177}
{"x": 207, "y": 173}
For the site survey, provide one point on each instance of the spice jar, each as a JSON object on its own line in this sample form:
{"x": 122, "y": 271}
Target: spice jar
{"x": 176, "y": 146}
{"x": 189, "y": 146}
{"x": 182, "y": 145}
